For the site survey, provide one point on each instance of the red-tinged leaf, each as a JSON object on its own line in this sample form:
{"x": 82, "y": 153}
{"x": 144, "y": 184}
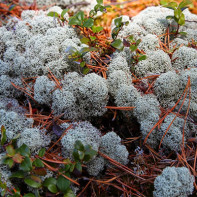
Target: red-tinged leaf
{"x": 17, "y": 158}
{"x": 40, "y": 171}
{"x": 36, "y": 178}
{"x": 126, "y": 43}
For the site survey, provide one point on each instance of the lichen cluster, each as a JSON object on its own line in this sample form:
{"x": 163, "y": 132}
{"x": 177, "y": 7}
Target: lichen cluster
{"x": 35, "y": 45}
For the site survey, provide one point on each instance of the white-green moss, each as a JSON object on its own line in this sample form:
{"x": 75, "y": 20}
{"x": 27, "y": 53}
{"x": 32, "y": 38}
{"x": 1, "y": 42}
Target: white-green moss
{"x": 157, "y": 62}
{"x": 174, "y": 182}
{"x": 112, "y": 147}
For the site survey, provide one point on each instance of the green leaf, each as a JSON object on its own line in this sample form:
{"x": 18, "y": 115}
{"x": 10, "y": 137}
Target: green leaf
{"x": 143, "y": 57}
{"x": 66, "y": 167}
{"x": 133, "y": 48}
{"x": 82, "y": 64}
{"x": 181, "y": 20}
{"x": 38, "y": 163}
{"x": 99, "y": 1}
{"x": 185, "y": 3}
{"x": 78, "y": 145}
{"x": 89, "y": 22}
{"x": 19, "y": 174}
{"x": 117, "y": 44}
{"x": 92, "y": 38}
{"x": 29, "y": 195}
{"x": 86, "y": 158}
{"x": 164, "y": 2}
{"x": 80, "y": 16}
{"x": 177, "y": 13}
{"x": 3, "y": 135}
{"x": 64, "y": 12}
{"x": 81, "y": 155}
{"x": 131, "y": 38}
{"x": 62, "y": 183}
{"x": 41, "y": 152}
{"x": 53, "y": 14}
{"x": 97, "y": 29}
{"x": 26, "y": 165}
{"x": 92, "y": 13}
{"x": 17, "y": 194}
{"x": 10, "y": 150}
{"x": 85, "y": 40}
{"x": 32, "y": 183}
{"x": 183, "y": 33}
{"x": 118, "y": 22}
{"x": 74, "y": 21}
{"x": 24, "y": 150}
{"x": 52, "y": 188}
{"x": 89, "y": 153}
{"x": 126, "y": 23}
{"x": 78, "y": 166}
{"x": 169, "y": 17}
{"x": 8, "y": 161}
{"x": 69, "y": 193}
{"x": 115, "y": 32}
{"x": 49, "y": 181}
{"x": 138, "y": 42}
{"x": 72, "y": 167}
{"x": 172, "y": 5}
{"x": 75, "y": 155}
{"x": 86, "y": 71}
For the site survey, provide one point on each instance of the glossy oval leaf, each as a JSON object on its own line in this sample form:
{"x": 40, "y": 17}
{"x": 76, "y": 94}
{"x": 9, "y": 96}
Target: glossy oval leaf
{"x": 41, "y": 152}
{"x": 24, "y": 150}
{"x": 38, "y": 163}
{"x": 181, "y": 20}
{"x": 64, "y": 12}
{"x": 97, "y": 29}
{"x": 26, "y": 165}
{"x": 63, "y": 183}
{"x": 143, "y": 57}
{"x": 78, "y": 145}
{"x": 9, "y": 162}
{"x": 32, "y": 183}
{"x": 69, "y": 193}
{"x": 89, "y": 22}
{"x": 52, "y": 188}
{"x": 53, "y": 14}
{"x": 19, "y": 174}
{"x": 49, "y": 181}
{"x": 118, "y": 22}
{"x": 117, "y": 44}
{"x": 29, "y": 195}
{"x": 99, "y": 1}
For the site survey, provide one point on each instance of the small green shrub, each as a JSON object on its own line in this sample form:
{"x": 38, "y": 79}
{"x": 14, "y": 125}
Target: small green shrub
{"x": 178, "y": 17}
{"x": 29, "y": 169}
